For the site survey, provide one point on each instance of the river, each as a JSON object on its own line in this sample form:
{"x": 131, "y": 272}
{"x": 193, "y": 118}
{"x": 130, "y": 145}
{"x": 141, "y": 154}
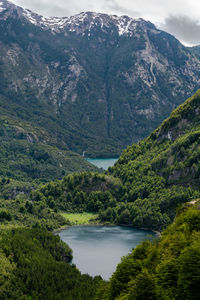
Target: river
{"x": 103, "y": 163}
{"x": 98, "y": 249}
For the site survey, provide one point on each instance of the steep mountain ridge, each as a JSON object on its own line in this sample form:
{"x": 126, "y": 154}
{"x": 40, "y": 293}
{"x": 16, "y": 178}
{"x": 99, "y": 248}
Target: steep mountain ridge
{"x": 176, "y": 143}
{"x": 162, "y": 171}
{"x": 80, "y": 24}
{"x": 100, "y": 82}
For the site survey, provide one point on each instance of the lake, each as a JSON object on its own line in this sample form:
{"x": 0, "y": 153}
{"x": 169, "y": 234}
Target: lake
{"x": 103, "y": 163}
{"x": 98, "y": 249}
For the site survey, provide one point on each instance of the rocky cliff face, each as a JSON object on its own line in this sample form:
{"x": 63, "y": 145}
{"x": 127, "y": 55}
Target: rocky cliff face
{"x": 100, "y": 82}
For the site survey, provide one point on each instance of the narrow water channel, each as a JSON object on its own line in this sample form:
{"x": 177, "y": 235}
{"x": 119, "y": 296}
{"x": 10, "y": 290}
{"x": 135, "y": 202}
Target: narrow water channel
{"x": 103, "y": 163}
{"x": 98, "y": 249}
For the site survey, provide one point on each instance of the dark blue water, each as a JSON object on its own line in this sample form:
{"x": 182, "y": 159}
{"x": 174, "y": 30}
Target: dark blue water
{"x": 98, "y": 249}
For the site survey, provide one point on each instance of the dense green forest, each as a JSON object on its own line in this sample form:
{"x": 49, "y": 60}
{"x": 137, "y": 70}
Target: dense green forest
{"x": 146, "y": 184}
{"x": 35, "y": 265}
{"x": 30, "y": 153}
{"x": 165, "y": 269}
{"x": 17, "y": 209}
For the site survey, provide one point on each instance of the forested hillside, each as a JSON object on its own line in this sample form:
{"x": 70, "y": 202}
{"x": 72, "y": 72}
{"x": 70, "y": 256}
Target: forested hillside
{"x": 35, "y": 265}
{"x": 28, "y": 157}
{"x": 167, "y": 268}
{"x": 148, "y": 182}
{"x": 29, "y": 153}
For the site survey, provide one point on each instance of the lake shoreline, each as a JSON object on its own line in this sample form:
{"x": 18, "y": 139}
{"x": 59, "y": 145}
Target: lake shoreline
{"x": 157, "y": 233}
{"x": 57, "y": 230}
{"x": 98, "y": 249}
{"x": 91, "y": 219}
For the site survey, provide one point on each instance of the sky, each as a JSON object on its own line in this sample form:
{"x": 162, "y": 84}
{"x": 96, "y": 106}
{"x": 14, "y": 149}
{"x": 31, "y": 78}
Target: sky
{"x": 178, "y": 17}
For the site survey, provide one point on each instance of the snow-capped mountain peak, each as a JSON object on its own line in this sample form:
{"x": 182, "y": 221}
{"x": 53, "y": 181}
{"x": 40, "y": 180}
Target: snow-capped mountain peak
{"x": 81, "y": 23}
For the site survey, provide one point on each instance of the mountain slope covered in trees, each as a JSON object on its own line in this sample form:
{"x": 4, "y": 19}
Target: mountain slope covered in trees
{"x": 149, "y": 180}
{"x": 35, "y": 265}
{"x": 29, "y": 153}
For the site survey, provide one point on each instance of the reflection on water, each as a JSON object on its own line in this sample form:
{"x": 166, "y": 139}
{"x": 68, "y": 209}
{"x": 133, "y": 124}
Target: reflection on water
{"x": 98, "y": 249}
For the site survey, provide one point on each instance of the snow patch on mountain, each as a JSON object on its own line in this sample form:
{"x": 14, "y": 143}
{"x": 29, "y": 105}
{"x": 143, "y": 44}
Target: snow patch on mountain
{"x": 84, "y": 22}
{"x": 81, "y": 24}
{"x": 52, "y": 23}
{"x": 2, "y": 8}
{"x": 126, "y": 25}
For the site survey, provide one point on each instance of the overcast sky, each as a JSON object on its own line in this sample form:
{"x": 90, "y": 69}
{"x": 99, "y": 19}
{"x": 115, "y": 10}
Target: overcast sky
{"x": 179, "y": 17}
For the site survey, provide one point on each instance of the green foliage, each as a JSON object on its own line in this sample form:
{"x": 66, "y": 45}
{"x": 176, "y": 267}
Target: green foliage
{"x": 127, "y": 269}
{"x": 162, "y": 171}
{"x": 5, "y": 215}
{"x": 30, "y": 153}
{"x": 167, "y": 268}
{"x": 80, "y": 192}
{"x": 17, "y": 209}
{"x": 35, "y": 265}
{"x": 188, "y": 277}
{"x": 143, "y": 287}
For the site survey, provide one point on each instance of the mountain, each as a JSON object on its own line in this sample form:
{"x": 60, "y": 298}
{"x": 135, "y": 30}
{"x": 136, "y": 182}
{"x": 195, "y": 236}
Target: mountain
{"x": 94, "y": 82}
{"x": 147, "y": 184}
{"x": 195, "y": 50}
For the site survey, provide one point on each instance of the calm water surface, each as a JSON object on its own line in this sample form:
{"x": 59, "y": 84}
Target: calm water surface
{"x": 104, "y": 163}
{"x": 98, "y": 249}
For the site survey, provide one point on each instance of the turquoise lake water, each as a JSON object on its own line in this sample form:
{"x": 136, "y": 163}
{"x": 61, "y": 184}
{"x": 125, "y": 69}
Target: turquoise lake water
{"x": 103, "y": 163}
{"x": 98, "y": 249}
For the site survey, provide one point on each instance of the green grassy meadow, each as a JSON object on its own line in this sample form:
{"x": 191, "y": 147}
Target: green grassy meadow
{"x": 80, "y": 218}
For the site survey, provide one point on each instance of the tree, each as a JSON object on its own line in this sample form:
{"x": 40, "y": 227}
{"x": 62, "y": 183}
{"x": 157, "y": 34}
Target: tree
{"x": 143, "y": 287}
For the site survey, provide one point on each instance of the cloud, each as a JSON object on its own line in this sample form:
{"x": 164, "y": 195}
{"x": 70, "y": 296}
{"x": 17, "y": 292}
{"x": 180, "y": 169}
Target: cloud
{"x": 71, "y": 7}
{"x": 184, "y": 28}
{"x": 114, "y": 7}
{"x": 45, "y": 7}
